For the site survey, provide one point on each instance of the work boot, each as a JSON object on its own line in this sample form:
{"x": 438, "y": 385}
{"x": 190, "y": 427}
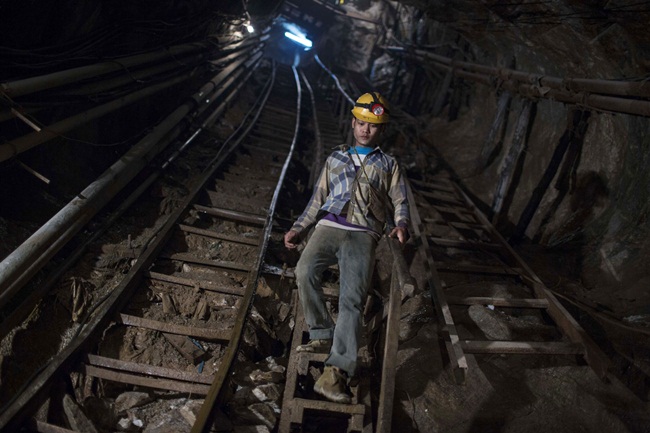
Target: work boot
{"x": 333, "y": 385}
{"x": 317, "y": 346}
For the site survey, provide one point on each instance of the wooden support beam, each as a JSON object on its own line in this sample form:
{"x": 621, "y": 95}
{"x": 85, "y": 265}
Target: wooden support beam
{"x": 190, "y": 331}
{"x": 490, "y": 143}
{"x": 577, "y": 123}
{"x": 195, "y": 282}
{"x": 509, "y": 163}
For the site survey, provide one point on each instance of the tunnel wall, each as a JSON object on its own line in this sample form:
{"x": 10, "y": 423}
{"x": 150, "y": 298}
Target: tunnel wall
{"x": 592, "y": 223}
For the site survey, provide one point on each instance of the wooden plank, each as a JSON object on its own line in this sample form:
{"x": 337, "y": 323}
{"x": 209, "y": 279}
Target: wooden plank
{"x": 466, "y": 225}
{"x": 190, "y": 258}
{"x": 190, "y": 331}
{"x": 149, "y": 382}
{"x": 499, "y": 302}
{"x": 246, "y": 217}
{"x": 149, "y": 370}
{"x": 468, "y": 245}
{"x": 216, "y": 235}
{"x": 572, "y": 329}
{"x": 523, "y": 348}
{"x": 330, "y": 406}
{"x": 202, "y": 284}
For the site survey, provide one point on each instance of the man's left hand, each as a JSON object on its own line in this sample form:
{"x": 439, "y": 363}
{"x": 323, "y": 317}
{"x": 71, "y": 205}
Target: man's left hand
{"x": 401, "y": 233}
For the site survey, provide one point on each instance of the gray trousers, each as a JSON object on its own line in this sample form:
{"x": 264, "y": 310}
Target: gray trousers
{"x": 354, "y": 251}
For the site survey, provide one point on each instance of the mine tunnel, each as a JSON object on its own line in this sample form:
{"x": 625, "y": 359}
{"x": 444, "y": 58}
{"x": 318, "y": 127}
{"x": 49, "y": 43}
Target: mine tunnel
{"x": 154, "y": 155}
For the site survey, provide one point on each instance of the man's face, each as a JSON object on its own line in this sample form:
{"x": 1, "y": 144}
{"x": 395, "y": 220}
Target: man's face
{"x": 365, "y": 134}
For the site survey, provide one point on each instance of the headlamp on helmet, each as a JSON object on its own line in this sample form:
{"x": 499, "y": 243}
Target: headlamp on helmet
{"x": 371, "y": 108}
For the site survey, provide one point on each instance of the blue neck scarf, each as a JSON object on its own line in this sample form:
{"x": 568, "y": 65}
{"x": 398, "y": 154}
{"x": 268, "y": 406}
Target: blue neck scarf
{"x": 361, "y": 150}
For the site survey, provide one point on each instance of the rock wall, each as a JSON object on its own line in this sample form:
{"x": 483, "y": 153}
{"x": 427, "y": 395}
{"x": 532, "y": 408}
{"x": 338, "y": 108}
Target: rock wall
{"x": 592, "y": 222}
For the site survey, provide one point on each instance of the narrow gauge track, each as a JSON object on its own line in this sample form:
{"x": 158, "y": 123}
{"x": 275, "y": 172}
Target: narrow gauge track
{"x": 471, "y": 266}
{"x": 232, "y": 207}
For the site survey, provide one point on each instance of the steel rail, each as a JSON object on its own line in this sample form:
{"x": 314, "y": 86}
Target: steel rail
{"x": 318, "y": 153}
{"x": 216, "y": 394}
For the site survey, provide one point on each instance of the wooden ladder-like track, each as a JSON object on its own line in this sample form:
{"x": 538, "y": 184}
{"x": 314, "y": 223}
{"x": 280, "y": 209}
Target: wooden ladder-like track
{"x": 458, "y": 244}
{"x": 209, "y": 252}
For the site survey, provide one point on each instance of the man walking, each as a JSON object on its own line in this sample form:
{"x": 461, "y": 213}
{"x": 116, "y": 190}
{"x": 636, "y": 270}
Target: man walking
{"x": 359, "y": 192}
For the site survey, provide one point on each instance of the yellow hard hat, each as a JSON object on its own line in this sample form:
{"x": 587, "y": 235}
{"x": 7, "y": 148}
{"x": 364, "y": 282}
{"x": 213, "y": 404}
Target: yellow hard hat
{"x": 371, "y": 108}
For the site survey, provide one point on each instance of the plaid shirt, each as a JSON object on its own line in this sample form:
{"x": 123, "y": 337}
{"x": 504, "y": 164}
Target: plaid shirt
{"x": 333, "y": 192}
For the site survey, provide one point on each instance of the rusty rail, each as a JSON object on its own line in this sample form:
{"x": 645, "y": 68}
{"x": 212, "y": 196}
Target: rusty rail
{"x": 216, "y": 394}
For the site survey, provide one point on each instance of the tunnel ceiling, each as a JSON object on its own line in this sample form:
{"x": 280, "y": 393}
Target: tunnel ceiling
{"x": 607, "y": 39}
{"x": 599, "y": 39}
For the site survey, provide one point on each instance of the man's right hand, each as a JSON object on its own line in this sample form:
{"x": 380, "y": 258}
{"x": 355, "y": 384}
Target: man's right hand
{"x": 291, "y": 239}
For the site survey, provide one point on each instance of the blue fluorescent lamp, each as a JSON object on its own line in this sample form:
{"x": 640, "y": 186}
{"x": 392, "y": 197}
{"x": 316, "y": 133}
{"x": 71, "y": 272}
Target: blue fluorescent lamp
{"x": 301, "y": 40}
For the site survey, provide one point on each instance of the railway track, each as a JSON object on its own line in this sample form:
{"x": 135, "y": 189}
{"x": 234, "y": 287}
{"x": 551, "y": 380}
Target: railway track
{"x": 469, "y": 265}
{"x": 200, "y": 268}
{"x": 472, "y": 267}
